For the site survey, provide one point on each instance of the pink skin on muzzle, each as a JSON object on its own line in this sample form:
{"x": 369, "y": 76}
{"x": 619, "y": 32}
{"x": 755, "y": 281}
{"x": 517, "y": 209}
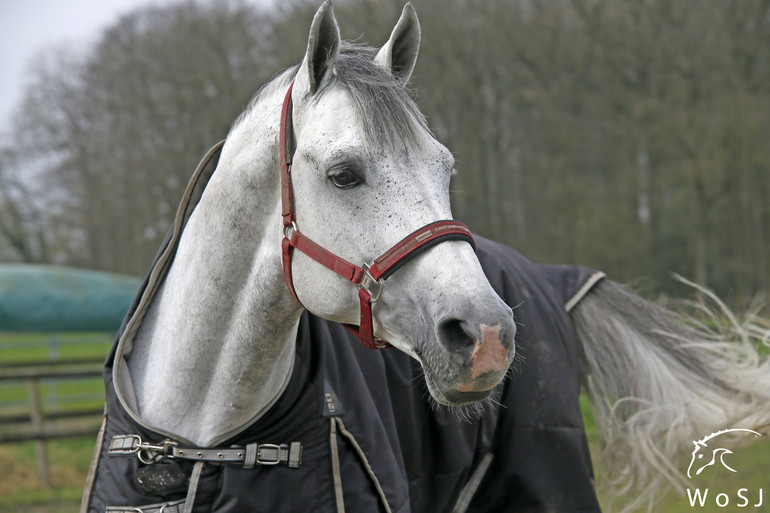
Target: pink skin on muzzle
{"x": 489, "y": 356}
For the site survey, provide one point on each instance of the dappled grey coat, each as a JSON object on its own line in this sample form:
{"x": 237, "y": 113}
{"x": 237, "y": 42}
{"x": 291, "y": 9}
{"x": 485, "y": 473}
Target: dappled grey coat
{"x": 364, "y": 418}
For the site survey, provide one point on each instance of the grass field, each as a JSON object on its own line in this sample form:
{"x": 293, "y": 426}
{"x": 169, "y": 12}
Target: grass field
{"x": 21, "y": 491}
{"x": 20, "y": 486}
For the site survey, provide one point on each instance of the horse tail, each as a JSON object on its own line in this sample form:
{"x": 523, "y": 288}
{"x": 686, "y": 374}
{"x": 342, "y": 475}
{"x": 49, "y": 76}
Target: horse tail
{"x": 659, "y": 380}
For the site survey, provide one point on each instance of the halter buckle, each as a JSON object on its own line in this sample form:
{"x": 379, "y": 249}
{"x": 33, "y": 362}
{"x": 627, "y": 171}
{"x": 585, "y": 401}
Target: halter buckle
{"x": 368, "y": 282}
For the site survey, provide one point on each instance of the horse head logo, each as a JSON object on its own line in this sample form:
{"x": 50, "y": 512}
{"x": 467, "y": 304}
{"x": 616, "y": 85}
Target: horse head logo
{"x": 717, "y": 453}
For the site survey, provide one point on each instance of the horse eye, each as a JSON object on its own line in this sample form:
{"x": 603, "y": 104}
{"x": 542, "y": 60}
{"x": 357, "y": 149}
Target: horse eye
{"x": 343, "y": 178}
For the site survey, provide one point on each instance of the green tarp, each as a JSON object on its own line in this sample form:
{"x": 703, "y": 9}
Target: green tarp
{"x": 44, "y": 298}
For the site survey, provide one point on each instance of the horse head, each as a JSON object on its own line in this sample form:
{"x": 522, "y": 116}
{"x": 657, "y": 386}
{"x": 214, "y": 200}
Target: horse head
{"x": 365, "y": 172}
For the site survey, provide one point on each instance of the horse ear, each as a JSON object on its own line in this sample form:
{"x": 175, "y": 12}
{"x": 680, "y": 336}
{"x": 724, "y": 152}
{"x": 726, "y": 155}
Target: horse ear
{"x": 399, "y": 54}
{"x": 323, "y": 47}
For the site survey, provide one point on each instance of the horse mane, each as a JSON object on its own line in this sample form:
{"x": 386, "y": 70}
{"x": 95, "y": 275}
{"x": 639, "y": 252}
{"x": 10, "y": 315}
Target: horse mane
{"x": 389, "y": 116}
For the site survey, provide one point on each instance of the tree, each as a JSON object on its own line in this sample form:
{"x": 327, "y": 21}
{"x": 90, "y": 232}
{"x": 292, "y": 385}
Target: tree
{"x": 124, "y": 126}
{"x": 621, "y": 135}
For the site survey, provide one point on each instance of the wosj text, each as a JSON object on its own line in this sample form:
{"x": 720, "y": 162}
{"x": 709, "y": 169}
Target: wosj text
{"x": 743, "y": 498}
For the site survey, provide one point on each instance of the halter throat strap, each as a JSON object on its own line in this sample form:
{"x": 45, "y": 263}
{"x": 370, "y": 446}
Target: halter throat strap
{"x": 368, "y": 278}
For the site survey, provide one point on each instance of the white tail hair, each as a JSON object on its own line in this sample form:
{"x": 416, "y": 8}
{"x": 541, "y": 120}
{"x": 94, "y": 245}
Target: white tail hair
{"x": 658, "y": 381}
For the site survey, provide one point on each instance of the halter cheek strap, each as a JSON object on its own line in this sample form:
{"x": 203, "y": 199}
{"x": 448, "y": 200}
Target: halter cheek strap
{"x": 368, "y": 278}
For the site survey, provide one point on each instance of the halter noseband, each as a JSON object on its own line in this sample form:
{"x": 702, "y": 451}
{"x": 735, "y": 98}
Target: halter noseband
{"x": 368, "y": 278}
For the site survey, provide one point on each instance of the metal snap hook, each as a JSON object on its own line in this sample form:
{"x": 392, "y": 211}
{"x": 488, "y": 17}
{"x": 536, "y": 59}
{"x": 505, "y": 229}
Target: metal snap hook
{"x": 150, "y": 453}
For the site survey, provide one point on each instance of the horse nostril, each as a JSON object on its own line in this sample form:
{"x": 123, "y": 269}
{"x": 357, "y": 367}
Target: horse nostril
{"x": 507, "y": 335}
{"x": 455, "y": 336}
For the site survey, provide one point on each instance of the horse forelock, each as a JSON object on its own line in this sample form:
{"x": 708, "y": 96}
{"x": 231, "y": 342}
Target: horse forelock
{"x": 389, "y": 115}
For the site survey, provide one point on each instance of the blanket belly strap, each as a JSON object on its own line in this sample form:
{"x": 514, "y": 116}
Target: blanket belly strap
{"x": 247, "y": 456}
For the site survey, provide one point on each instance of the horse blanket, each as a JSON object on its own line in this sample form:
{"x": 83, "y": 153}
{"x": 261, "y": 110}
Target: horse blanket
{"x": 370, "y": 439}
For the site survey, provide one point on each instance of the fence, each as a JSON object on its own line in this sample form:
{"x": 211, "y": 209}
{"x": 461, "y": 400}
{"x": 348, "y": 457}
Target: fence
{"x": 63, "y": 399}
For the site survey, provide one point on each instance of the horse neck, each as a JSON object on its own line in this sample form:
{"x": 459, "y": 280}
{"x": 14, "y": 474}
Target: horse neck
{"x": 217, "y": 344}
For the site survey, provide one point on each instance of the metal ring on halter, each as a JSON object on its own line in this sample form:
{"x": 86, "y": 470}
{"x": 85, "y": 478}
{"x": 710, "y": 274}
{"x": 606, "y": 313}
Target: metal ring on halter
{"x": 288, "y": 230}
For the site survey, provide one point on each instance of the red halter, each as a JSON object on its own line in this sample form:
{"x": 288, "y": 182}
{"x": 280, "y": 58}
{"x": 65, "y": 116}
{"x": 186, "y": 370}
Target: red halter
{"x": 368, "y": 278}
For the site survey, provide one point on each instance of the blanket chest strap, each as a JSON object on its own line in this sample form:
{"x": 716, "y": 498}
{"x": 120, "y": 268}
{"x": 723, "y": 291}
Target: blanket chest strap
{"x": 248, "y": 456}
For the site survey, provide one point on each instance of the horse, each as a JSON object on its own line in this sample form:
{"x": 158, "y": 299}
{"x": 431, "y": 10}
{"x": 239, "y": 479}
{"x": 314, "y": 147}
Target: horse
{"x": 236, "y": 384}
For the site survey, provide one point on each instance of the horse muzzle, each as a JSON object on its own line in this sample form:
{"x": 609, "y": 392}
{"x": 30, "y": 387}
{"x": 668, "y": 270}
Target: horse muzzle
{"x": 476, "y": 358}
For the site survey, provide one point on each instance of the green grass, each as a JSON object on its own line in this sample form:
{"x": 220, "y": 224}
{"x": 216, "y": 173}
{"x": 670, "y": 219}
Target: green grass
{"x": 21, "y": 490}
{"x": 22, "y": 347}
{"x": 65, "y": 394}
{"x": 20, "y": 391}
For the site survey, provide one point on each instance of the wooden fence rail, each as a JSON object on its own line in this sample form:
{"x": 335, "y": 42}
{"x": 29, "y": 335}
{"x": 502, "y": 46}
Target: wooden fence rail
{"x": 37, "y": 419}
{"x": 52, "y": 416}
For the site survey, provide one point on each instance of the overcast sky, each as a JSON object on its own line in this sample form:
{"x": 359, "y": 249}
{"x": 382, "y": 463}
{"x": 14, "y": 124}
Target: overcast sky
{"x": 28, "y": 27}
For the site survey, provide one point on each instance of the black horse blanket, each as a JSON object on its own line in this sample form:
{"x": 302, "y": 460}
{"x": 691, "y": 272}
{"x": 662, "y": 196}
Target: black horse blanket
{"x": 371, "y": 441}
